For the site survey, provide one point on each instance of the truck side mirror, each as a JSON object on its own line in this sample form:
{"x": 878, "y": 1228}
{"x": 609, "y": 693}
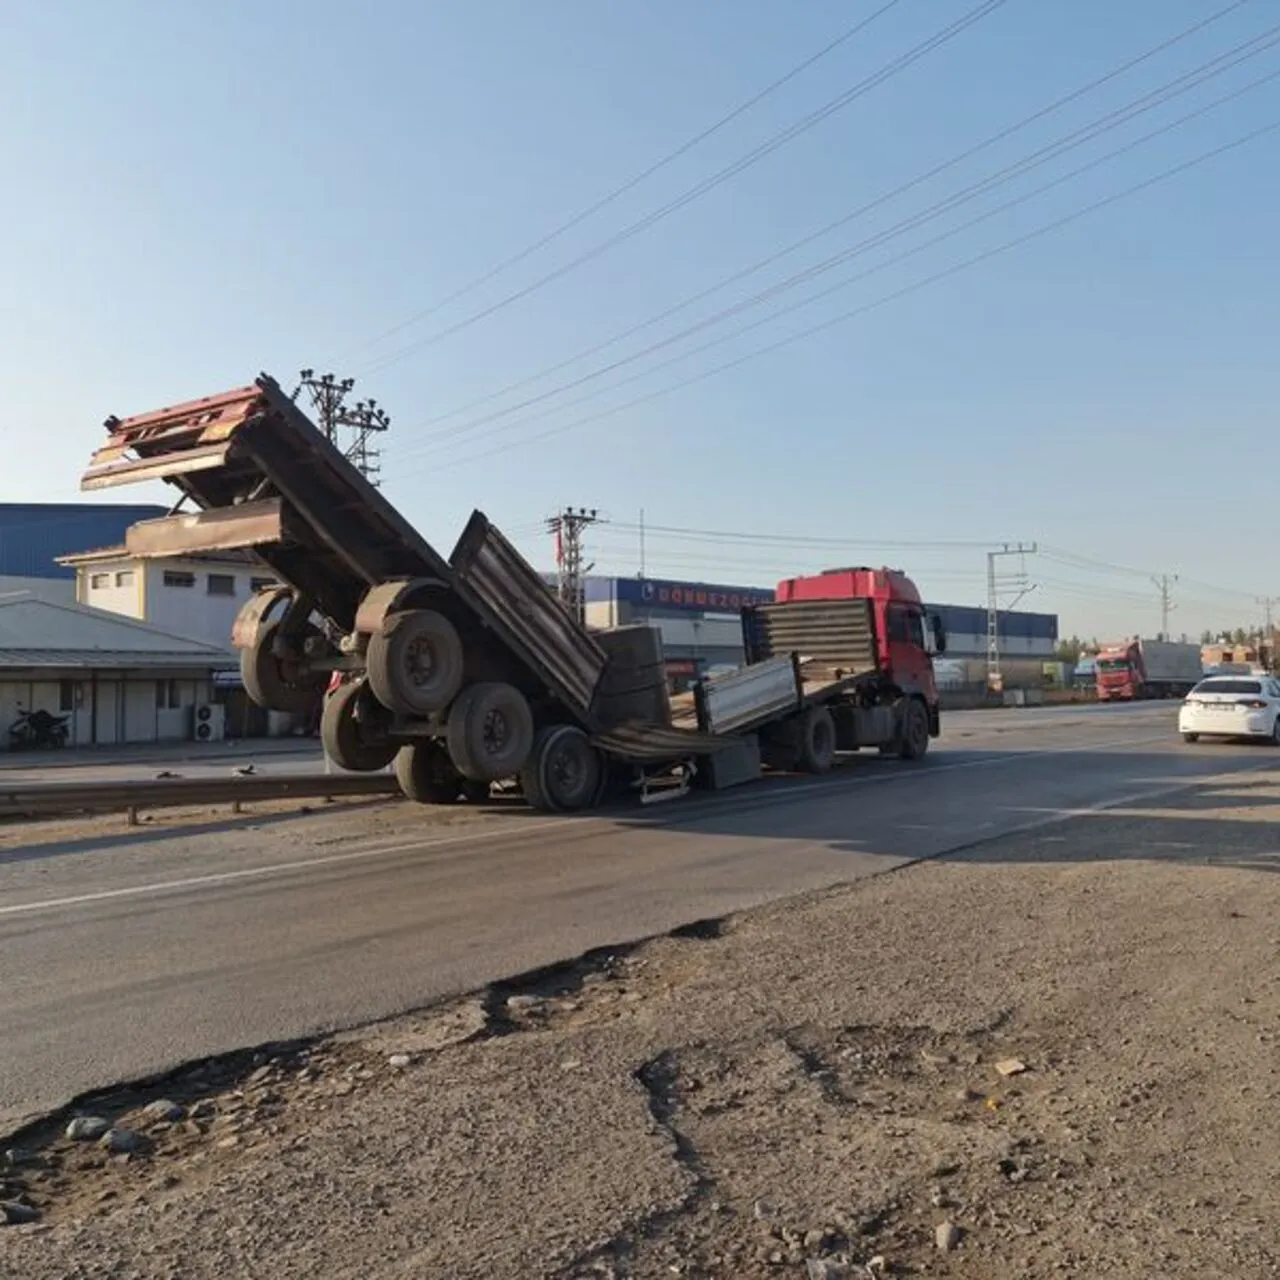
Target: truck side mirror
{"x": 939, "y": 633}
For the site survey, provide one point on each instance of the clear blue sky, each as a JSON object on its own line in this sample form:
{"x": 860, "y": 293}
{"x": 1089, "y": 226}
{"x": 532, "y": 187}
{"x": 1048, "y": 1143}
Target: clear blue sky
{"x": 195, "y": 192}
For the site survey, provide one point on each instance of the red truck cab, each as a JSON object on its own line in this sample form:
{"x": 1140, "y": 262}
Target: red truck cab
{"x": 1119, "y": 673}
{"x": 900, "y": 623}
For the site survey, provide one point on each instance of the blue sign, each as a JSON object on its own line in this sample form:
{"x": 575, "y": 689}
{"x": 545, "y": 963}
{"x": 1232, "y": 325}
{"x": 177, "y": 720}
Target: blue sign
{"x": 697, "y": 597}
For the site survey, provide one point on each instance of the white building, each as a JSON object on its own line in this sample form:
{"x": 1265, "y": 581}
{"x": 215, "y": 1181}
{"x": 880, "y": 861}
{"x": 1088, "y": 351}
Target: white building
{"x": 195, "y": 596}
{"x": 117, "y": 680}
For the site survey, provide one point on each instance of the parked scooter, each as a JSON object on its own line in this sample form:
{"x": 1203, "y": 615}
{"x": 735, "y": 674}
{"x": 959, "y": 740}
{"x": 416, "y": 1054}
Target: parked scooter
{"x": 36, "y": 730}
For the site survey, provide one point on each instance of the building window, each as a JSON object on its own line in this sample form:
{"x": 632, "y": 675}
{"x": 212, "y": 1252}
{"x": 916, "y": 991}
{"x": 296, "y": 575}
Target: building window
{"x": 167, "y": 698}
{"x": 262, "y": 584}
{"x": 66, "y": 695}
{"x": 98, "y": 581}
{"x": 222, "y": 584}
{"x": 177, "y": 578}
{"x": 124, "y": 578}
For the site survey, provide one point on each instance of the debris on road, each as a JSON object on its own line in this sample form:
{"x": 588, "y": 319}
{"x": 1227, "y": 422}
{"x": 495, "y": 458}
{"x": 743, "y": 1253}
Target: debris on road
{"x": 87, "y": 1128}
{"x": 947, "y": 1236}
{"x": 1011, "y": 1067}
{"x": 163, "y": 1111}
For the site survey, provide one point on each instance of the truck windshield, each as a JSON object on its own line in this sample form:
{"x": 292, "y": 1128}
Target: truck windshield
{"x": 1112, "y": 664}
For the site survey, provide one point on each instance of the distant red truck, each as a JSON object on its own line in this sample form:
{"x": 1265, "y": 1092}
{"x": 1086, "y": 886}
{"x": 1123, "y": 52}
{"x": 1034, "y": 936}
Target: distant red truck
{"x": 1137, "y": 668}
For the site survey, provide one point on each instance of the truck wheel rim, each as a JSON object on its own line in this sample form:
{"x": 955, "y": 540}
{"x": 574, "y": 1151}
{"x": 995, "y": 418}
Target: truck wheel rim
{"x": 420, "y": 662}
{"x": 496, "y": 733}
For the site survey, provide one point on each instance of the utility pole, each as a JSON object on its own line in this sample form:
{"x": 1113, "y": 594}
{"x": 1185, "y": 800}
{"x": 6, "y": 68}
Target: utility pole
{"x": 1266, "y": 651}
{"x": 996, "y": 584}
{"x": 567, "y": 527}
{"x": 1166, "y": 603}
{"x": 349, "y": 428}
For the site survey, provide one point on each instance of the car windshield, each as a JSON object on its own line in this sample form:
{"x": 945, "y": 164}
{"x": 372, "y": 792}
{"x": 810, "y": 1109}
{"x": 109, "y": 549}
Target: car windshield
{"x": 1228, "y": 686}
{"x": 1112, "y": 664}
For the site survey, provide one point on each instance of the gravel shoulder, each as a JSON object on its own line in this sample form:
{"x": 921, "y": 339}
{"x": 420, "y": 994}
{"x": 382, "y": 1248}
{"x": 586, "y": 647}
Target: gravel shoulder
{"x": 1055, "y": 1055}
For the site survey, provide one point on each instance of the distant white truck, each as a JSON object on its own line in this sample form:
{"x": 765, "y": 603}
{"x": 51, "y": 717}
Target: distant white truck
{"x": 1139, "y": 668}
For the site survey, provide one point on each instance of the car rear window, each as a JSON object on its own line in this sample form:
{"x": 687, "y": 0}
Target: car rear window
{"x": 1229, "y": 686}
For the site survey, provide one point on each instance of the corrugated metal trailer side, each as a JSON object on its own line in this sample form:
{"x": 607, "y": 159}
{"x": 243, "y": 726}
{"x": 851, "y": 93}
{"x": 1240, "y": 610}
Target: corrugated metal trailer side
{"x": 513, "y": 597}
{"x": 838, "y": 635}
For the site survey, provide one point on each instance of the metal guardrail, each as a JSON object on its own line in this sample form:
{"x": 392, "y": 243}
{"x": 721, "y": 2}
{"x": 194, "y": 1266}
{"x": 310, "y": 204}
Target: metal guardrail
{"x": 42, "y": 799}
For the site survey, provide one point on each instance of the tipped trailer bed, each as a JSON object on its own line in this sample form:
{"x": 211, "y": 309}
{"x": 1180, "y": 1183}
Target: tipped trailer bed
{"x": 463, "y": 671}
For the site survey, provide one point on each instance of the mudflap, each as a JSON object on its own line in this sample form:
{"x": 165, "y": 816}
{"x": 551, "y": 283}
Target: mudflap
{"x": 387, "y": 599}
{"x": 253, "y": 615}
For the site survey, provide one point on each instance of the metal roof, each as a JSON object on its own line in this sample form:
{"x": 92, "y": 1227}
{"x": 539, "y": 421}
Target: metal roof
{"x": 109, "y": 659}
{"x": 45, "y": 633}
{"x": 121, "y": 552}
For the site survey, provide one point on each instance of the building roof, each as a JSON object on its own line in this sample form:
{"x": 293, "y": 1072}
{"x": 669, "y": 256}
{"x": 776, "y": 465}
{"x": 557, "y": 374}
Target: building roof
{"x": 36, "y": 633}
{"x": 104, "y": 555}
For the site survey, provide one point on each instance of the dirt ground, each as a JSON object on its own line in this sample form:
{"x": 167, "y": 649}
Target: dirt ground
{"x": 1055, "y": 1055}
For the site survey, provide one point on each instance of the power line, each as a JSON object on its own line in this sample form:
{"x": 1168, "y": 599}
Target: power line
{"x": 845, "y": 544}
{"x": 609, "y": 197}
{"x": 936, "y": 277}
{"x": 899, "y": 64}
{"x": 760, "y": 264}
{"x": 1039, "y": 158}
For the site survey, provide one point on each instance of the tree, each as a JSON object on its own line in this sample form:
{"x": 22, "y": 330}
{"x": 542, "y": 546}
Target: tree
{"x": 1206, "y": 637}
{"x": 1070, "y": 650}
{"x": 1240, "y": 636}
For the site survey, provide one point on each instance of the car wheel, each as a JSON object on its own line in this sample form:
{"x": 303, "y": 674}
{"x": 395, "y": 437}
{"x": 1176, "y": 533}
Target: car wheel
{"x": 1191, "y": 737}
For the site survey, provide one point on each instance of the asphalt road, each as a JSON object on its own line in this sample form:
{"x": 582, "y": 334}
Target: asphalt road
{"x": 125, "y": 953}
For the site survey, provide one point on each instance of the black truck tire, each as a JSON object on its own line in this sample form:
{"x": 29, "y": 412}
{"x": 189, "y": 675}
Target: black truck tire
{"x": 353, "y": 730}
{"x": 490, "y": 732}
{"x": 816, "y": 740}
{"x": 426, "y": 774}
{"x": 913, "y": 739}
{"x": 264, "y": 679}
{"x": 415, "y": 662}
{"x": 564, "y": 772}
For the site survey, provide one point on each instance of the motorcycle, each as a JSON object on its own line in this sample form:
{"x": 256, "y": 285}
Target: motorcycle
{"x": 34, "y": 730}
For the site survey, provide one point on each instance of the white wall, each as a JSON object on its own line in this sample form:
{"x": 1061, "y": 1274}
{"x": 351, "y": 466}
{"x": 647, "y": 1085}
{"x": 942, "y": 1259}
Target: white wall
{"x": 128, "y": 709}
{"x": 190, "y": 611}
{"x": 114, "y": 585}
{"x": 961, "y": 645}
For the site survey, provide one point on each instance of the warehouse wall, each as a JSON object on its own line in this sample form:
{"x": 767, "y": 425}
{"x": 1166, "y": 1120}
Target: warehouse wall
{"x": 34, "y": 534}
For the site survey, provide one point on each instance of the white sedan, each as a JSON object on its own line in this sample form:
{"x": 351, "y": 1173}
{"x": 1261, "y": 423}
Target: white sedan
{"x": 1232, "y": 707}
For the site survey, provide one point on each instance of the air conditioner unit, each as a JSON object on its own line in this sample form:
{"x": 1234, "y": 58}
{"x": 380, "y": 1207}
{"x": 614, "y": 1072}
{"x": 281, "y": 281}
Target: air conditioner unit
{"x": 209, "y": 722}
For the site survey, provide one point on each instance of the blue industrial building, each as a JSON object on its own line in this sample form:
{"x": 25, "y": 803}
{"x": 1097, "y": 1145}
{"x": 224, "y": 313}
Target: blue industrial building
{"x": 34, "y": 534}
{"x": 701, "y": 629}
